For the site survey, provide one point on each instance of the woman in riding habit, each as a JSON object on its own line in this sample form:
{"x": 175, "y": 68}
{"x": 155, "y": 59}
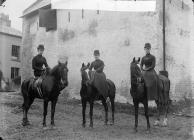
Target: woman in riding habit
{"x": 97, "y": 76}
{"x": 39, "y": 61}
{"x": 150, "y": 76}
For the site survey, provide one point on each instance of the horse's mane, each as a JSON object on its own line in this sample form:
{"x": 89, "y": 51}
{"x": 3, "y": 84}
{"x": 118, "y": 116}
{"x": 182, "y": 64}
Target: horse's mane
{"x": 54, "y": 70}
{"x": 135, "y": 70}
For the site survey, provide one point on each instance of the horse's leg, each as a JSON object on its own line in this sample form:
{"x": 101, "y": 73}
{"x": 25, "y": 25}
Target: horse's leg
{"x": 84, "y": 112}
{"x": 28, "y": 107}
{"x": 27, "y": 103}
{"x": 106, "y": 111}
{"x": 145, "y": 103}
{"x": 53, "y": 105}
{"x": 91, "y": 113}
{"x": 24, "y": 121}
{"x": 136, "y": 106}
{"x": 156, "y": 123}
{"x": 45, "y": 113}
{"x": 24, "y": 106}
{"x": 165, "y": 121}
{"x": 113, "y": 109}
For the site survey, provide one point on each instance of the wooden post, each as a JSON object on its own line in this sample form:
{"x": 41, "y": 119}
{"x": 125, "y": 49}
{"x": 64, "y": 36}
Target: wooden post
{"x": 164, "y": 37}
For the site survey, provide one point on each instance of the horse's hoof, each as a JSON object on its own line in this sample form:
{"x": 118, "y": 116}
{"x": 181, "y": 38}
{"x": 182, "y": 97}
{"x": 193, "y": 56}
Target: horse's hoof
{"x": 83, "y": 125}
{"x": 45, "y": 128}
{"x": 164, "y": 125}
{"x": 25, "y": 123}
{"x": 53, "y": 126}
{"x": 148, "y": 131}
{"x": 112, "y": 123}
{"x": 91, "y": 125}
{"x": 165, "y": 122}
{"x": 135, "y": 130}
{"x": 156, "y": 123}
{"x": 105, "y": 122}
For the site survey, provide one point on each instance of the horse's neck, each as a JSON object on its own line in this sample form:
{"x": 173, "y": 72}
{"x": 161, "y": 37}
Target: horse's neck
{"x": 54, "y": 77}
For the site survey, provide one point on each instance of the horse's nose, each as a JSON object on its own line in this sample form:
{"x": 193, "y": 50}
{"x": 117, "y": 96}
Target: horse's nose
{"x": 66, "y": 83}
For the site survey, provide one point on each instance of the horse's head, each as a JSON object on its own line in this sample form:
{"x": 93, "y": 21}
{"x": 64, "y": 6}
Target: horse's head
{"x": 60, "y": 72}
{"x": 84, "y": 74}
{"x": 135, "y": 63}
{"x": 135, "y": 69}
{"x": 136, "y": 60}
{"x": 138, "y": 85}
{"x": 63, "y": 73}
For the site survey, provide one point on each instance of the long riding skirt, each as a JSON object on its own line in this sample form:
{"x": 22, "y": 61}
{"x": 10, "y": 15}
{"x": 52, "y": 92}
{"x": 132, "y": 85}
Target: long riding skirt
{"x": 151, "y": 82}
{"x": 100, "y": 82}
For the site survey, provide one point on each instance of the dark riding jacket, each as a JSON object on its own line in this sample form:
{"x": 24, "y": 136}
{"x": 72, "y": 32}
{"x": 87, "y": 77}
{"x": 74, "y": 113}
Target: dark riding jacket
{"x": 37, "y": 64}
{"x": 149, "y": 61}
{"x": 98, "y": 66}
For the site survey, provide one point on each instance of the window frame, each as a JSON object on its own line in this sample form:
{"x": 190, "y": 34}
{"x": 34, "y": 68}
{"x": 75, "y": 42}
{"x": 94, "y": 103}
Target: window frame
{"x": 15, "y": 72}
{"x": 15, "y": 52}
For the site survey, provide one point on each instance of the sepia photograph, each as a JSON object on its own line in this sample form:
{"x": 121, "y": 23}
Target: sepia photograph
{"x": 96, "y": 70}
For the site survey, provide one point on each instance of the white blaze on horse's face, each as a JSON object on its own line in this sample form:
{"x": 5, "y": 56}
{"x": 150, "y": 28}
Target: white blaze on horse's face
{"x": 62, "y": 81}
{"x": 137, "y": 60}
{"x": 138, "y": 65}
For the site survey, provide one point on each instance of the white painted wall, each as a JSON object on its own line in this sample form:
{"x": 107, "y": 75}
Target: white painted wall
{"x": 119, "y": 36}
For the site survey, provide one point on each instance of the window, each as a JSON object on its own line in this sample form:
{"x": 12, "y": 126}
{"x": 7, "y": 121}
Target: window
{"x": 48, "y": 19}
{"x": 82, "y": 13}
{"x": 69, "y": 16}
{"x": 14, "y": 72}
{"x": 15, "y": 52}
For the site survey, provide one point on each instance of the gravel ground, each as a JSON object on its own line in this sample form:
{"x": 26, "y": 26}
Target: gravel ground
{"x": 68, "y": 121}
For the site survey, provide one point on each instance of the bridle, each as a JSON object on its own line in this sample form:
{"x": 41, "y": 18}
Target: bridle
{"x": 63, "y": 81}
{"x": 140, "y": 77}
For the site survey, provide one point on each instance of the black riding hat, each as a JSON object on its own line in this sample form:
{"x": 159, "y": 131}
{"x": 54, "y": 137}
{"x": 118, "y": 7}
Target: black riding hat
{"x": 40, "y": 47}
{"x": 96, "y": 52}
{"x": 147, "y": 46}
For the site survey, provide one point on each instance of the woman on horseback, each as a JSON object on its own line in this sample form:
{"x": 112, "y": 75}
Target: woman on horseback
{"x": 38, "y": 61}
{"x": 158, "y": 86}
{"x": 97, "y": 76}
{"x": 37, "y": 64}
{"x": 150, "y": 76}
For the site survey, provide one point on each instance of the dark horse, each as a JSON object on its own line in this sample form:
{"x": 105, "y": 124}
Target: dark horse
{"x": 139, "y": 94}
{"x": 53, "y": 82}
{"x": 90, "y": 94}
{"x": 138, "y": 91}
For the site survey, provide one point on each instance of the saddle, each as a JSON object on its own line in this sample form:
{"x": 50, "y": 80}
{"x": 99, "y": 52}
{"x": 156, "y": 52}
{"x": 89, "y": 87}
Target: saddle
{"x": 37, "y": 85}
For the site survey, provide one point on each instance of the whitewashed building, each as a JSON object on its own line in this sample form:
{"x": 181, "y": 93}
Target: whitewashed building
{"x": 10, "y": 49}
{"x": 118, "y": 35}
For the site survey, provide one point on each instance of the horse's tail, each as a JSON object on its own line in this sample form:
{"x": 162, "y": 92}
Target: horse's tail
{"x": 112, "y": 88}
{"x": 24, "y": 89}
{"x": 164, "y": 88}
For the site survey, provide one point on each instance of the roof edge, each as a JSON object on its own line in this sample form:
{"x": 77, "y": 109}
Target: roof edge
{"x": 35, "y": 6}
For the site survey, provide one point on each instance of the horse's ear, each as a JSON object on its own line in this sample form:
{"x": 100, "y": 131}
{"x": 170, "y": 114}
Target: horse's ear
{"x": 139, "y": 59}
{"x": 66, "y": 63}
{"x": 133, "y": 59}
{"x": 88, "y": 65}
{"x": 83, "y": 65}
{"x": 59, "y": 63}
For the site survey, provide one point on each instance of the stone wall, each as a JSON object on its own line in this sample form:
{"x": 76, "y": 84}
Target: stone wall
{"x": 178, "y": 47}
{"x": 119, "y": 36}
